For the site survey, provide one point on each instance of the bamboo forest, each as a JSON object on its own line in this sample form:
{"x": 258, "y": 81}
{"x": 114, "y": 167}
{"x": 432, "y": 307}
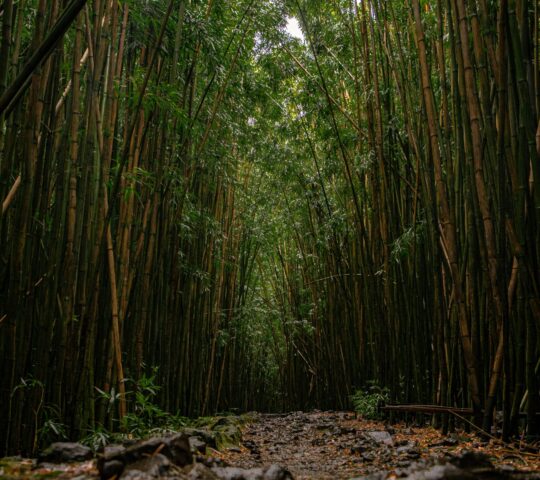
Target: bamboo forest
{"x": 254, "y": 223}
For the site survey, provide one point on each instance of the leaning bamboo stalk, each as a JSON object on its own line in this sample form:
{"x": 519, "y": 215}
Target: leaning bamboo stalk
{"x": 42, "y": 53}
{"x": 67, "y": 90}
{"x": 11, "y": 195}
{"x": 117, "y": 345}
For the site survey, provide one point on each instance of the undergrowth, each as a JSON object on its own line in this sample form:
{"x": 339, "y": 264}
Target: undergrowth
{"x": 366, "y": 401}
{"x": 147, "y": 419}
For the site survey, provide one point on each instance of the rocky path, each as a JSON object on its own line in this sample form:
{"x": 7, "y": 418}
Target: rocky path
{"x": 301, "y": 446}
{"x": 310, "y": 445}
{"x": 337, "y": 445}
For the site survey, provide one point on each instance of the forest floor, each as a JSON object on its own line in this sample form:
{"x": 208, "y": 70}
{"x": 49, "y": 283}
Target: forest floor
{"x": 325, "y": 445}
{"x": 337, "y": 445}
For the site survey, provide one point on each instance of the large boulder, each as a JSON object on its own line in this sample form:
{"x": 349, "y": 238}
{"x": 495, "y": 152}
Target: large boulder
{"x": 65, "y": 452}
{"x": 145, "y": 458}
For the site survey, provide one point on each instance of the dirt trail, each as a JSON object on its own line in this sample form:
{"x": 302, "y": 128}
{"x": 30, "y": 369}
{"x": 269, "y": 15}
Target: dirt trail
{"x": 336, "y": 445}
{"x": 310, "y": 445}
{"x": 315, "y": 445}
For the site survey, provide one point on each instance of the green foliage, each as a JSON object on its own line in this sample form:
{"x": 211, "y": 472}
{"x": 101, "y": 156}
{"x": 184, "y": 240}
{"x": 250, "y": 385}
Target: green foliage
{"x": 402, "y": 246}
{"x": 367, "y": 400}
{"x": 224, "y": 429}
{"x": 98, "y": 438}
{"x": 27, "y": 384}
{"x": 52, "y": 429}
{"x": 147, "y": 417}
{"x": 111, "y": 398}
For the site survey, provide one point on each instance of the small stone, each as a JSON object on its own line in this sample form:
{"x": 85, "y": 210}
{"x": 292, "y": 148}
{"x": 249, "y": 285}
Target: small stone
{"x": 357, "y": 448}
{"x": 249, "y": 444}
{"x": 445, "y": 442}
{"x": 211, "y": 462}
{"x": 201, "y": 472}
{"x": 381, "y": 437}
{"x": 368, "y": 457}
{"x": 206, "y": 436}
{"x": 409, "y": 450}
{"x": 442, "y": 472}
{"x": 275, "y": 472}
{"x": 197, "y": 445}
{"x": 137, "y": 475}
{"x": 233, "y": 473}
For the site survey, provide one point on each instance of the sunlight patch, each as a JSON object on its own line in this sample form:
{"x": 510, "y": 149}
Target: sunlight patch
{"x": 293, "y": 28}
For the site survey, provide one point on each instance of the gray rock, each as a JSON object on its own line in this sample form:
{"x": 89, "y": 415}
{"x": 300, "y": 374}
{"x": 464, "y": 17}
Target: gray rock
{"x": 408, "y": 450}
{"x": 174, "y": 448}
{"x": 421, "y": 472}
{"x": 232, "y": 473}
{"x": 113, "y": 449}
{"x": 154, "y": 466}
{"x": 137, "y": 475}
{"x": 205, "y": 435}
{"x": 381, "y": 437}
{"x": 368, "y": 457}
{"x": 409, "y": 446}
{"x": 441, "y": 472}
{"x": 197, "y": 445}
{"x": 65, "y": 452}
{"x": 112, "y": 468}
{"x": 201, "y": 472}
{"x": 273, "y": 472}
{"x": 445, "y": 442}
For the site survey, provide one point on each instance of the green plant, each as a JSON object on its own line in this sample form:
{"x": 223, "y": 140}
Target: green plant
{"x": 147, "y": 417}
{"x": 367, "y": 400}
{"x": 97, "y": 438}
{"x": 110, "y": 397}
{"x": 26, "y": 385}
{"x": 52, "y": 429}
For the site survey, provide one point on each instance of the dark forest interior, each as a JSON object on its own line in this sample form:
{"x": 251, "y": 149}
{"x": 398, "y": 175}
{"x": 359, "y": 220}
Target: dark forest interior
{"x": 267, "y": 205}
